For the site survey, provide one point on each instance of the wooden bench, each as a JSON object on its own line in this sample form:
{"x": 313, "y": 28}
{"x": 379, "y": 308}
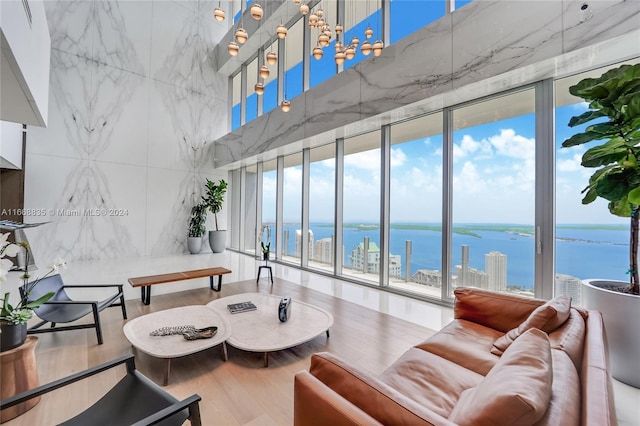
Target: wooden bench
{"x": 145, "y": 283}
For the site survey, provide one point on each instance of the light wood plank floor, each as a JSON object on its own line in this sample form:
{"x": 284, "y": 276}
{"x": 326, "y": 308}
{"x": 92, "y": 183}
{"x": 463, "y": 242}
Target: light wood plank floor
{"x": 237, "y": 392}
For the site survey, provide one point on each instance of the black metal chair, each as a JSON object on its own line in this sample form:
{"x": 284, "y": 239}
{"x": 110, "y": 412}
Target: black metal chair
{"x": 62, "y": 309}
{"x": 134, "y": 400}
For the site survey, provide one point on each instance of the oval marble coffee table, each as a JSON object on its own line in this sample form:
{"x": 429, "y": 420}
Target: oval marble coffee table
{"x": 137, "y": 332}
{"x": 262, "y": 331}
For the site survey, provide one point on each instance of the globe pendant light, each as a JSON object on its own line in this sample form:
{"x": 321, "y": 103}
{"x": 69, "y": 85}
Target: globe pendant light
{"x": 259, "y": 88}
{"x": 313, "y": 20}
{"x": 323, "y": 40}
{"x": 317, "y": 52}
{"x": 233, "y": 48}
{"x": 285, "y": 106}
{"x": 366, "y": 48}
{"x": 256, "y": 11}
{"x": 281, "y": 31}
{"x": 218, "y": 14}
{"x": 327, "y": 31}
{"x": 320, "y": 13}
{"x": 304, "y": 9}
{"x": 241, "y": 35}
{"x": 350, "y": 52}
{"x": 368, "y": 33}
{"x": 355, "y": 41}
{"x": 339, "y": 57}
{"x": 339, "y": 29}
{"x": 338, "y": 46}
{"x": 272, "y": 58}
{"x": 321, "y": 22}
{"x": 264, "y": 71}
{"x": 296, "y": 1}
{"x": 377, "y": 47}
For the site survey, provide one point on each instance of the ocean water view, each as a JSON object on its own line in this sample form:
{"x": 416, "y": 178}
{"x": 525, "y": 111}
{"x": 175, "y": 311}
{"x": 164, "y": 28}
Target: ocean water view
{"x": 582, "y": 251}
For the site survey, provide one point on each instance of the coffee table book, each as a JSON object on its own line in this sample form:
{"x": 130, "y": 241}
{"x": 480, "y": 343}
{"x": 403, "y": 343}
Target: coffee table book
{"x": 235, "y": 308}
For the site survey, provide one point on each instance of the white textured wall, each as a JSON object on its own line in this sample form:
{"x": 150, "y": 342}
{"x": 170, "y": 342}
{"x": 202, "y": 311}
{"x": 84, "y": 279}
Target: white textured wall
{"x": 135, "y": 104}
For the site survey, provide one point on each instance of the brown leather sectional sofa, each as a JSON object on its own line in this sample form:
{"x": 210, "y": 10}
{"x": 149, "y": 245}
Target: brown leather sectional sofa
{"x": 504, "y": 359}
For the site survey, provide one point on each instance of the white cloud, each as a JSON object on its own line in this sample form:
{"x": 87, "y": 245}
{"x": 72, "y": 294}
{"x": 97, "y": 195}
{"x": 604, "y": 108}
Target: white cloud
{"x": 509, "y": 144}
{"x": 570, "y": 165}
{"x": 469, "y": 146}
{"x": 329, "y": 163}
{"x": 398, "y": 157}
{"x": 368, "y": 160}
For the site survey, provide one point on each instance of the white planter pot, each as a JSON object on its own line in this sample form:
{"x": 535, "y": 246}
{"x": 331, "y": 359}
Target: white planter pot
{"x": 621, "y": 316}
{"x": 194, "y": 244}
{"x": 217, "y": 241}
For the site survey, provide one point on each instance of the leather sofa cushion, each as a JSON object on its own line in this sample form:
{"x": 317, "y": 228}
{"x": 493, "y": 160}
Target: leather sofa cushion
{"x": 377, "y": 399}
{"x": 516, "y": 391}
{"x": 465, "y": 343}
{"x": 500, "y": 311}
{"x": 547, "y": 318}
{"x": 569, "y": 337}
{"x": 564, "y": 406}
{"x": 429, "y": 380}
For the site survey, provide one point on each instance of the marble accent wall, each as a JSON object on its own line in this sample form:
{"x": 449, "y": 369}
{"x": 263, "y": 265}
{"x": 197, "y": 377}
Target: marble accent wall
{"x": 462, "y": 56}
{"x": 135, "y": 106}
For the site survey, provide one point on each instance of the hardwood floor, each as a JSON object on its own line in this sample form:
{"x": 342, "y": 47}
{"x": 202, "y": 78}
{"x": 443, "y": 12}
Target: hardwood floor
{"x": 237, "y": 392}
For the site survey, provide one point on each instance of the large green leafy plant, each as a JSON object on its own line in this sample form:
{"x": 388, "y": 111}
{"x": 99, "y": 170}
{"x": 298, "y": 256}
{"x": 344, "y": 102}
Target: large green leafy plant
{"x": 214, "y": 197}
{"x": 197, "y": 219}
{"x": 615, "y": 95}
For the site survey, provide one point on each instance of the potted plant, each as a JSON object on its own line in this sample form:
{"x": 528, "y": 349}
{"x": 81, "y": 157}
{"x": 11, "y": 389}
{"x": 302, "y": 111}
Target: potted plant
{"x": 614, "y": 96}
{"x": 213, "y": 200}
{"x": 197, "y": 228}
{"x": 266, "y": 248}
{"x": 13, "y": 318}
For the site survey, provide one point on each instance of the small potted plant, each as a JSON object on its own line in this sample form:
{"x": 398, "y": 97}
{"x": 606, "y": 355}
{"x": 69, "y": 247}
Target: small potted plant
{"x": 614, "y": 96}
{"x": 197, "y": 228}
{"x": 266, "y": 248}
{"x": 13, "y": 318}
{"x": 213, "y": 200}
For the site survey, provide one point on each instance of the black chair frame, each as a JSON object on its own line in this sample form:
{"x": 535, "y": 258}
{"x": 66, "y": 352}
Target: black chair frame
{"x": 96, "y": 307}
{"x": 191, "y": 403}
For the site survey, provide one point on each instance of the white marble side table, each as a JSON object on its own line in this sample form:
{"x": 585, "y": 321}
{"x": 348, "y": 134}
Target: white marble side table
{"x": 167, "y": 347}
{"x": 262, "y": 331}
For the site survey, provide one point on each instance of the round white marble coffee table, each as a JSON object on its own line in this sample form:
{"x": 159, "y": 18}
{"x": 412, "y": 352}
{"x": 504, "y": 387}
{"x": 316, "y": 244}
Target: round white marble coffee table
{"x": 137, "y": 332}
{"x": 262, "y": 331}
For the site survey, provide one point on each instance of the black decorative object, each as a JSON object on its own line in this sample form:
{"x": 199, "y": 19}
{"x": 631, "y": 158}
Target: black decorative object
{"x": 284, "y": 309}
{"x": 188, "y": 331}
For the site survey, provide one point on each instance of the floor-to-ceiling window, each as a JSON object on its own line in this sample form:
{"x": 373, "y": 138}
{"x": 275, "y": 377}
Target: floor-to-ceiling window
{"x": 267, "y": 233}
{"x": 292, "y": 209}
{"x": 415, "y": 231}
{"x": 493, "y": 194}
{"x": 250, "y": 189}
{"x": 408, "y": 16}
{"x": 325, "y": 67}
{"x": 321, "y": 206}
{"x": 361, "y": 15}
{"x": 270, "y": 97}
{"x": 236, "y": 82}
{"x": 590, "y": 241}
{"x": 252, "y": 97}
{"x": 293, "y": 60}
{"x": 361, "y": 207}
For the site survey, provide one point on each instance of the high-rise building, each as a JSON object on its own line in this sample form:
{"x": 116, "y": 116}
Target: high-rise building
{"x": 495, "y": 265}
{"x": 571, "y": 286}
{"x": 324, "y": 251}
{"x": 299, "y": 243}
{"x": 373, "y": 260}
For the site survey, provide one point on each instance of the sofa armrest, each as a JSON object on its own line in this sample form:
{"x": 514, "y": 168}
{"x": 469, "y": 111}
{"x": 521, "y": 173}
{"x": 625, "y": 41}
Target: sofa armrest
{"x": 598, "y": 405}
{"x": 480, "y": 306}
{"x": 377, "y": 399}
{"x": 315, "y": 404}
